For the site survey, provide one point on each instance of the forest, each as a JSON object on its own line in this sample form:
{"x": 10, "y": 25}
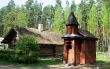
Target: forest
{"x": 92, "y": 15}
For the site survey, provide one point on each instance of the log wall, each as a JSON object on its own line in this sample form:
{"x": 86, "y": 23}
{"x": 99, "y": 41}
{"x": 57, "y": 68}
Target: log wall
{"x": 51, "y": 50}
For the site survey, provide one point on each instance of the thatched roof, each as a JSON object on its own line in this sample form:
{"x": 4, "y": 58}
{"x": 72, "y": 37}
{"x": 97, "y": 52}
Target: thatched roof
{"x": 44, "y": 37}
{"x": 47, "y": 37}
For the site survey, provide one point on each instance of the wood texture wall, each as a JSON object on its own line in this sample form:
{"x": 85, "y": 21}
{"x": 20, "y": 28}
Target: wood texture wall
{"x": 51, "y": 50}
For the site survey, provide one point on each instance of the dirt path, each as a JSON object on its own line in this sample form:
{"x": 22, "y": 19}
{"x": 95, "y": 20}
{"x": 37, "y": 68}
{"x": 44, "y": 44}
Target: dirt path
{"x": 47, "y": 67}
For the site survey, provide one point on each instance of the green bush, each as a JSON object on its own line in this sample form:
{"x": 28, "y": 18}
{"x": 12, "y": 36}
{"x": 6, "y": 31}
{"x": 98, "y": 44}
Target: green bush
{"x": 27, "y": 49}
{"x": 7, "y": 54}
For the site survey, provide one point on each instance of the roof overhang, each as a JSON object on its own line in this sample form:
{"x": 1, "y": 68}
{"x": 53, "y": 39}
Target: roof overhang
{"x": 73, "y": 36}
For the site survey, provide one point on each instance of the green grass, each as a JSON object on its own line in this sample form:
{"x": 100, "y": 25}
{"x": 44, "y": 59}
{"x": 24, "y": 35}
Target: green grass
{"x": 49, "y": 61}
{"x": 43, "y": 62}
{"x": 103, "y": 61}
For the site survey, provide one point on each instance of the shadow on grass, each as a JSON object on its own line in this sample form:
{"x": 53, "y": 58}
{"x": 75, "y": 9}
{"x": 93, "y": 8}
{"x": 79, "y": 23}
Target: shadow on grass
{"x": 43, "y": 62}
{"x": 48, "y": 61}
{"x": 103, "y": 64}
{"x": 5, "y": 62}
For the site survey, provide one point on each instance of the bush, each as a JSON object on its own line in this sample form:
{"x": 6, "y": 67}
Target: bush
{"x": 7, "y": 54}
{"x": 27, "y": 49}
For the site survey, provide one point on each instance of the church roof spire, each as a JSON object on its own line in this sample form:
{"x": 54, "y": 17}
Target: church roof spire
{"x": 71, "y": 19}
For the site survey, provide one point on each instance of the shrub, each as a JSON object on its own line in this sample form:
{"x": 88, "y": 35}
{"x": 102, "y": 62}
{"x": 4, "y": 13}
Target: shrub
{"x": 7, "y": 54}
{"x": 27, "y": 49}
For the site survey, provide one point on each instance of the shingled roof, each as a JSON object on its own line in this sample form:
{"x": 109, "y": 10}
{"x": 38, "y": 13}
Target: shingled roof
{"x": 73, "y": 23}
{"x": 44, "y": 37}
{"x": 72, "y": 19}
{"x": 81, "y": 34}
{"x": 85, "y": 33}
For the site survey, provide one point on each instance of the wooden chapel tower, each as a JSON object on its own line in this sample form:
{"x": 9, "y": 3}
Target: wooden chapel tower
{"x": 77, "y": 44}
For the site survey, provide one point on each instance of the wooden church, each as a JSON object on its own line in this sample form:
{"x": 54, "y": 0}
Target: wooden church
{"x": 79, "y": 45}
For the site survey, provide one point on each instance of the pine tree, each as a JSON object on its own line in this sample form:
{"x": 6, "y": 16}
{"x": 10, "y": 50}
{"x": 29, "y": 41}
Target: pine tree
{"x": 47, "y": 15}
{"x": 73, "y": 6}
{"x": 79, "y": 16}
{"x": 58, "y": 25}
{"x": 37, "y": 12}
{"x": 9, "y": 19}
{"x": 105, "y": 19}
{"x": 66, "y": 10}
{"x": 83, "y": 7}
{"x": 30, "y": 13}
{"x": 99, "y": 22}
{"x": 90, "y": 3}
{"x": 58, "y": 3}
{"x": 11, "y": 5}
{"x": 21, "y": 19}
{"x": 92, "y": 21}
{"x": 105, "y": 25}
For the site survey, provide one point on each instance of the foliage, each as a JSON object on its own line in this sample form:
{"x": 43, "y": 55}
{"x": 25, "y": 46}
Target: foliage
{"x": 7, "y": 54}
{"x": 59, "y": 24}
{"x": 21, "y": 19}
{"x": 103, "y": 60}
{"x": 11, "y": 5}
{"x": 92, "y": 20}
{"x": 2, "y": 13}
{"x": 66, "y": 11}
{"x": 79, "y": 17}
{"x": 37, "y": 13}
{"x": 83, "y": 6}
{"x": 33, "y": 12}
{"x": 30, "y": 13}
{"x": 9, "y": 20}
{"x": 105, "y": 20}
{"x": 58, "y": 3}
{"x": 27, "y": 49}
{"x": 73, "y": 6}
{"x": 47, "y": 15}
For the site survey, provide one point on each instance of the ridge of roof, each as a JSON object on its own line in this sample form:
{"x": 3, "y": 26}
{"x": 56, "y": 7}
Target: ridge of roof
{"x": 44, "y": 37}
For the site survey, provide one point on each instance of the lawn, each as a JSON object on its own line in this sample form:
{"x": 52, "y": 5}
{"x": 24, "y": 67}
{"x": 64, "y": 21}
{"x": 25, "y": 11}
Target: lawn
{"x": 43, "y": 62}
{"x": 103, "y": 61}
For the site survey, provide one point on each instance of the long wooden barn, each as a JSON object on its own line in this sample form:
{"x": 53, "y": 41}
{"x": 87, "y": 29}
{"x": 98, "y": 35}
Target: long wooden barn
{"x": 50, "y": 43}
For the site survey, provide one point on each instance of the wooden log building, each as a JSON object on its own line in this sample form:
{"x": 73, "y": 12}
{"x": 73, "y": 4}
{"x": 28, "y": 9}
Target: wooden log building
{"x": 51, "y": 43}
{"x": 79, "y": 45}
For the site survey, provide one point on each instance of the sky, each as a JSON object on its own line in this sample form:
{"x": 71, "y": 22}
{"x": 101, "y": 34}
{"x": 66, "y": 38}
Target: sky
{"x": 45, "y": 2}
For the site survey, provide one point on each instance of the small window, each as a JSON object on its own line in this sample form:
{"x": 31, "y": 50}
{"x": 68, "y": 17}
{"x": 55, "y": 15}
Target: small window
{"x": 68, "y": 45}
